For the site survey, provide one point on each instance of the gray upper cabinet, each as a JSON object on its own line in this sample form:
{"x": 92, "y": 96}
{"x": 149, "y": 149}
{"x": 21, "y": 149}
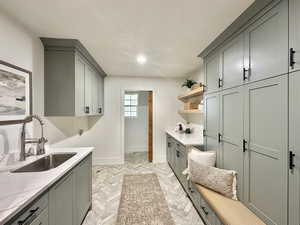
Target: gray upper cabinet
{"x": 231, "y": 129}
{"x": 266, "y": 133}
{"x": 76, "y": 78}
{"x": 266, "y": 44}
{"x": 294, "y": 22}
{"x": 212, "y": 72}
{"x": 232, "y": 62}
{"x": 294, "y": 149}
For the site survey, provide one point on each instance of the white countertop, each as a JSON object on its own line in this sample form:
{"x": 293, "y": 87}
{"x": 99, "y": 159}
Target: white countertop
{"x": 17, "y": 190}
{"x": 195, "y": 138}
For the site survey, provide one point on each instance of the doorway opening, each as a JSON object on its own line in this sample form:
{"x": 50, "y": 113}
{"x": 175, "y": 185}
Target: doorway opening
{"x": 138, "y": 126}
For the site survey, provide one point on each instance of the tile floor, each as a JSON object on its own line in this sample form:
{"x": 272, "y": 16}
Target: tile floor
{"x": 107, "y": 186}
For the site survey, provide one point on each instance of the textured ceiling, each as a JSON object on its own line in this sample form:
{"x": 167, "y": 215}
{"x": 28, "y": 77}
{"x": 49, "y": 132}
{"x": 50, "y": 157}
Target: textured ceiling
{"x": 171, "y": 33}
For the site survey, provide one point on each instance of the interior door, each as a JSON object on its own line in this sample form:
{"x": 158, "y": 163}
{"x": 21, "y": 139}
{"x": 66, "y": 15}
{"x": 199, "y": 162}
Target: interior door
{"x": 266, "y": 44}
{"x": 211, "y": 124}
{"x": 294, "y": 34}
{"x": 266, "y": 133}
{"x": 231, "y": 129}
{"x": 294, "y": 148}
{"x": 232, "y": 61}
{"x": 212, "y": 72}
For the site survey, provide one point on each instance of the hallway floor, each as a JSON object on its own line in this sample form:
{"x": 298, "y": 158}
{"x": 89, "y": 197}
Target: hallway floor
{"x": 107, "y": 186}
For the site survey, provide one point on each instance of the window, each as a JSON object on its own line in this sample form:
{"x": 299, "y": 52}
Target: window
{"x": 130, "y": 105}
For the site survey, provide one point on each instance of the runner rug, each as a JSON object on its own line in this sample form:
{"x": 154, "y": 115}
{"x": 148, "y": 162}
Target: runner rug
{"x": 143, "y": 202}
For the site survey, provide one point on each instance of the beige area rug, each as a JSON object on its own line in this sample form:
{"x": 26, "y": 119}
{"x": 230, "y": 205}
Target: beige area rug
{"x": 143, "y": 202}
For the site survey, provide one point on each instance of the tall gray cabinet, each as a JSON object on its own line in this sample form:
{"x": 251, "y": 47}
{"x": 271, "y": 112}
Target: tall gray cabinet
{"x": 251, "y": 109}
{"x": 75, "y": 76}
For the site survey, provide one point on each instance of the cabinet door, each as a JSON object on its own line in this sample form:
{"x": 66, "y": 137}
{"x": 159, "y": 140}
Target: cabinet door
{"x": 95, "y": 97}
{"x": 79, "y": 86}
{"x": 211, "y": 124}
{"x": 88, "y": 91}
{"x": 169, "y": 151}
{"x": 232, "y": 61}
{"x": 231, "y": 129}
{"x": 294, "y": 147}
{"x": 267, "y": 44}
{"x": 61, "y": 202}
{"x": 294, "y": 35}
{"x": 181, "y": 165}
{"x": 266, "y": 104}
{"x": 83, "y": 188}
{"x": 100, "y": 95}
{"x": 212, "y": 72}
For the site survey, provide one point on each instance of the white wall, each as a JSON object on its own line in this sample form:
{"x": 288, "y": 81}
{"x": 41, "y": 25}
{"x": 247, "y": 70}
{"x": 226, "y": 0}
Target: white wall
{"x": 20, "y": 47}
{"x": 136, "y": 128}
{"x": 106, "y": 132}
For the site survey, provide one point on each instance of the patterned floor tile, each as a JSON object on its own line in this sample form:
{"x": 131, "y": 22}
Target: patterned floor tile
{"x": 107, "y": 187}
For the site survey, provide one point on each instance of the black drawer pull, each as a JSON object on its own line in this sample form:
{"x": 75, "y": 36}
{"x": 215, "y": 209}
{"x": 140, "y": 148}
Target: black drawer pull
{"x": 99, "y": 110}
{"x": 244, "y": 73}
{"x": 31, "y": 214}
{"x": 87, "y": 109}
{"x": 244, "y": 145}
{"x": 204, "y": 210}
{"x": 292, "y": 58}
{"x": 292, "y": 164}
{"x": 177, "y": 153}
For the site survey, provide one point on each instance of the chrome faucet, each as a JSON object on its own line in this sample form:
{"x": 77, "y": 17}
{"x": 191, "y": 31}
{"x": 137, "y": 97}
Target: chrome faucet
{"x": 39, "y": 141}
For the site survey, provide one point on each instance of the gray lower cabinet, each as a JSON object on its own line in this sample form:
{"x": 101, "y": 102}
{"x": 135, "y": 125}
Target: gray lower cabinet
{"x": 171, "y": 151}
{"x": 232, "y": 62}
{"x": 266, "y": 133}
{"x": 212, "y": 72}
{"x": 294, "y": 149}
{"x": 231, "y": 130}
{"x": 294, "y": 37}
{"x": 266, "y": 44}
{"x": 180, "y": 164}
{"x": 61, "y": 202}
{"x": 42, "y": 219}
{"x": 83, "y": 189}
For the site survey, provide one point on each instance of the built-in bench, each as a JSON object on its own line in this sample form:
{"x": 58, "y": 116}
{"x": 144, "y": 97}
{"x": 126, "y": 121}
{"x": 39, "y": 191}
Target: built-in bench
{"x": 227, "y": 211}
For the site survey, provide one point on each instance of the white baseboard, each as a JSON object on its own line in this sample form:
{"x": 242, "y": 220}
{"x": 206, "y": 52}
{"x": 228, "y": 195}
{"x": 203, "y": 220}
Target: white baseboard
{"x": 136, "y": 149}
{"x": 107, "y": 161}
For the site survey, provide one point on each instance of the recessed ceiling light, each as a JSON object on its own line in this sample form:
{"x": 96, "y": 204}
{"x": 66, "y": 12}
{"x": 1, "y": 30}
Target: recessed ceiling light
{"x": 141, "y": 59}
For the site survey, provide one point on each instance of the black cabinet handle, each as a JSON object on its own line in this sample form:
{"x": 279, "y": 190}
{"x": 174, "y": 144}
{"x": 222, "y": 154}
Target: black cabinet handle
{"x": 220, "y": 84}
{"x": 100, "y": 110}
{"x": 177, "y": 153}
{"x": 31, "y": 214}
{"x": 219, "y": 137}
{"x": 169, "y": 144}
{"x": 292, "y": 58}
{"x": 244, "y": 145}
{"x": 204, "y": 210}
{"x": 87, "y": 109}
{"x": 292, "y": 164}
{"x": 244, "y": 73}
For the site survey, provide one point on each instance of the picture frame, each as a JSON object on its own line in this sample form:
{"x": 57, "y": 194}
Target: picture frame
{"x": 15, "y": 94}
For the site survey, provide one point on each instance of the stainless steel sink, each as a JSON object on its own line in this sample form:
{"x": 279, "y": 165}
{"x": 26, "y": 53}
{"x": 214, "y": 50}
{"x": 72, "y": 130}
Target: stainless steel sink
{"x": 46, "y": 163}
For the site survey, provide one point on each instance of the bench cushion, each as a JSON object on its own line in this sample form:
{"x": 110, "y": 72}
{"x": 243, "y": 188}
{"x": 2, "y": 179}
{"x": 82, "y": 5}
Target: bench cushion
{"x": 230, "y": 212}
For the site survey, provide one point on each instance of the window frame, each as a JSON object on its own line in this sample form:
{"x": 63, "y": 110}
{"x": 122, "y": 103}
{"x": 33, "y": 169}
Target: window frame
{"x": 133, "y": 99}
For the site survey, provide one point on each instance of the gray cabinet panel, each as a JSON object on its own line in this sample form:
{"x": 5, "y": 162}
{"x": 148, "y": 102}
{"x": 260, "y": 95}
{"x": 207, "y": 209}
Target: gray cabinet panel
{"x": 294, "y": 147}
{"x": 231, "y": 129}
{"x": 83, "y": 188}
{"x": 211, "y": 112}
{"x": 212, "y": 72}
{"x": 100, "y": 95}
{"x": 267, "y": 44}
{"x": 232, "y": 61}
{"x": 180, "y": 166}
{"x": 79, "y": 85}
{"x": 88, "y": 91}
{"x": 61, "y": 202}
{"x": 294, "y": 31}
{"x": 266, "y": 155}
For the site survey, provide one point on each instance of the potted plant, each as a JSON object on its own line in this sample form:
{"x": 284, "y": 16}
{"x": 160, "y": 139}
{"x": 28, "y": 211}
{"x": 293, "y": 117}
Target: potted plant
{"x": 189, "y": 83}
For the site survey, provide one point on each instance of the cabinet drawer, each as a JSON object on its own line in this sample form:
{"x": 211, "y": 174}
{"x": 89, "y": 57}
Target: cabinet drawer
{"x": 33, "y": 211}
{"x": 42, "y": 219}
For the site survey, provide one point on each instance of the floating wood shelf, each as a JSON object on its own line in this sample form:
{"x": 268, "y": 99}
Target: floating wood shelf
{"x": 190, "y": 111}
{"x": 191, "y": 94}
